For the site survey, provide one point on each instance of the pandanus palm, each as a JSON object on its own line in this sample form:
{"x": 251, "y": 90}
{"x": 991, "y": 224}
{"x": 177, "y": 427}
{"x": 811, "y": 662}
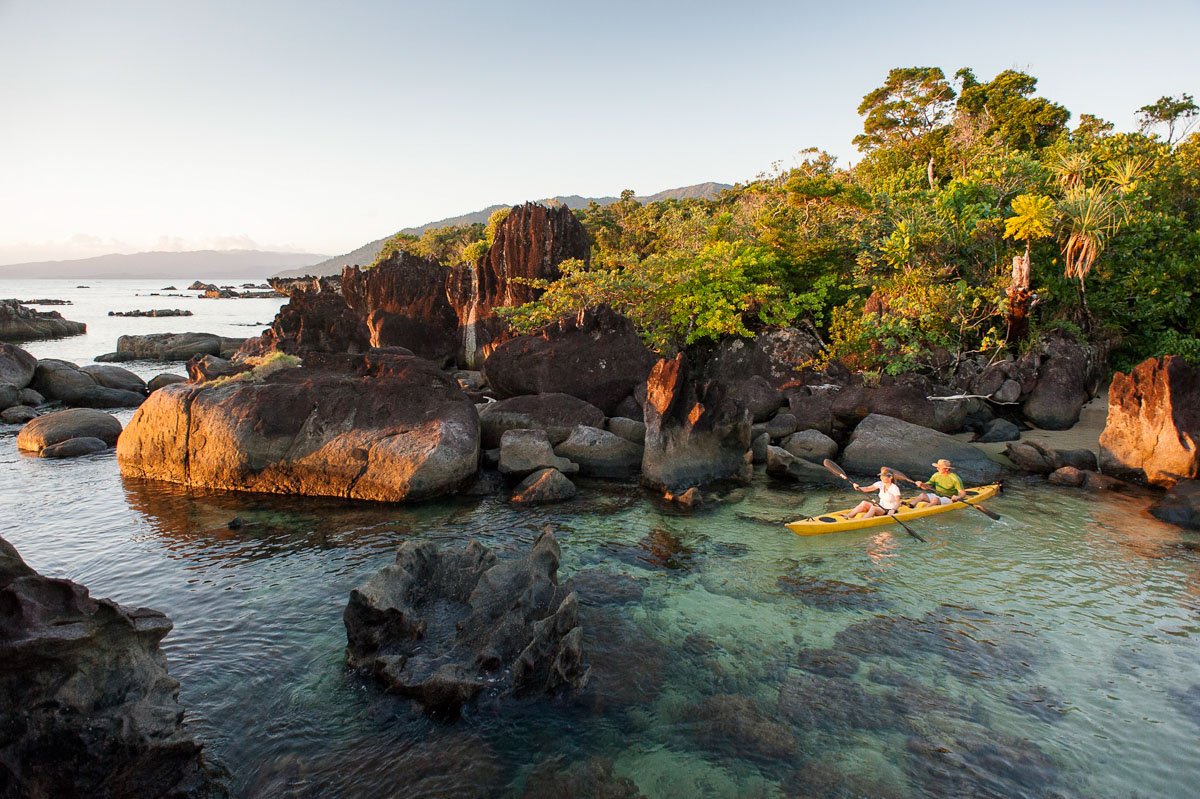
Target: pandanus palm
{"x": 1033, "y": 218}
{"x": 1090, "y": 215}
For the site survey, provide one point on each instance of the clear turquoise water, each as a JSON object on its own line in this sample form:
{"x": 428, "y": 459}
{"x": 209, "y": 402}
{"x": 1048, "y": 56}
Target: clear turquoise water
{"x": 1053, "y": 653}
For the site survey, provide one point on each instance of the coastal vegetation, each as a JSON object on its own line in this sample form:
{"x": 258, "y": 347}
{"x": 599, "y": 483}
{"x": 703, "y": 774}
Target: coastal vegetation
{"x": 976, "y": 220}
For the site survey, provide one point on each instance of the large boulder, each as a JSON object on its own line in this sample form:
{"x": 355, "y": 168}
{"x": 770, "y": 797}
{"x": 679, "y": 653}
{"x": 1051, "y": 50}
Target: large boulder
{"x": 781, "y": 463}
{"x": 905, "y": 397}
{"x": 402, "y": 301}
{"x": 812, "y": 407}
{"x": 61, "y": 380}
{"x": 16, "y": 366}
{"x": 18, "y": 323}
{"x": 811, "y": 445}
{"x": 374, "y": 426}
{"x": 557, "y": 414}
{"x": 1067, "y": 379}
{"x": 116, "y": 377}
{"x": 10, "y": 395}
{"x": 528, "y": 246}
{"x": 777, "y": 356}
{"x": 601, "y": 453}
{"x": 886, "y": 441}
{"x": 544, "y": 486}
{"x": 316, "y": 318}
{"x": 178, "y": 346}
{"x": 695, "y": 432}
{"x": 60, "y": 426}
{"x": 1153, "y": 427}
{"x": 599, "y": 358}
{"x": 89, "y": 708}
{"x": 523, "y": 452}
{"x": 441, "y": 626}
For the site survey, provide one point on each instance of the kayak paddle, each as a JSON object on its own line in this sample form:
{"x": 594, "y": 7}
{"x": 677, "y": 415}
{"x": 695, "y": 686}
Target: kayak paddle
{"x": 980, "y": 508}
{"x": 833, "y": 467}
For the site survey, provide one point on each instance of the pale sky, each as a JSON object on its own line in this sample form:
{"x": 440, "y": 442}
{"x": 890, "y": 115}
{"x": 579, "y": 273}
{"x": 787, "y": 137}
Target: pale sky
{"x": 130, "y": 125}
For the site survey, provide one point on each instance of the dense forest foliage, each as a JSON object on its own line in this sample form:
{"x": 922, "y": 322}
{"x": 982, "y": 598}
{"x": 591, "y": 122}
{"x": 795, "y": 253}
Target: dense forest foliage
{"x": 976, "y": 221}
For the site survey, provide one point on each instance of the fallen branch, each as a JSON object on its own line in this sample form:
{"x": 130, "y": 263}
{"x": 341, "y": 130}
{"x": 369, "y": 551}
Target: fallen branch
{"x": 987, "y": 397}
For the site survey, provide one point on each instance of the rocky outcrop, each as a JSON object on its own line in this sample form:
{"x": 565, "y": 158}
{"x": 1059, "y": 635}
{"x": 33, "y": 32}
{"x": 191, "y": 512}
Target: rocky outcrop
{"x": 695, "y": 432}
{"x": 153, "y": 312}
{"x": 89, "y": 708}
{"x": 529, "y": 245}
{"x": 402, "y": 301}
{"x": 316, "y": 318}
{"x": 443, "y": 626}
{"x": 601, "y": 453}
{"x": 557, "y": 414}
{"x": 905, "y": 397}
{"x": 60, "y": 426}
{"x": 600, "y": 359}
{"x": 178, "y": 346}
{"x": 374, "y": 426}
{"x": 1153, "y": 427}
{"x": 18, "y": 323}
{"x": 1029, "y": 456}
{"x": 777, "y": 356}
{"x": 1067, "y": 378}
{"x": 886, "y": 441}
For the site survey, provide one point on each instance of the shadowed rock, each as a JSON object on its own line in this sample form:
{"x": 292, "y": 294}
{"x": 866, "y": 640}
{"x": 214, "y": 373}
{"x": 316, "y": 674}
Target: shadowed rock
{"x": 16, "y": 366}
{"x": 315, "y": 318}
{"x": 884, "y": 441}
{"x": 601, "y": 453}
{"x": 178, "y": 346}
{"x": 544, "y": 485}
{"x": 440, "y": 626}
{"x": 89, "y": 708}
{"x": 18, "y": 323}
{"x": 557, "y": 414}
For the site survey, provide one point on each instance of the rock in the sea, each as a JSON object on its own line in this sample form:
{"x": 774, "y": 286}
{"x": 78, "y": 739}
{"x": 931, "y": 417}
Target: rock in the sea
{"x": 782, "y": 463}
{"x": 1067, "y": 476}
{"x": 557, "y": 414}
{"x": 884, "y": 441}
{"x": 178, "y": 346}
{"x": 600, "y": 359}
{"x": 89, "y": 708}
{"x": 111, "y": 376}
{"x": 759, "y": 446}
{"x": 811, "y": 445}
{"x": 18, "y": 323}
{"x": 543, "y": 486}
{"x": 31, "y": 398}
{"x": 695, "y": 432}
{"x": 373, "y": 426}
{"x": 61, "y": 380}
{"x": 9, "y": 396}
{"x": 165, "y": 379}
{"x": 18, "y": 414}
{"x": 1030, "y": 456}
{"x": 202, "y": 368}
{"x": 601, "y": 453}
{"x": 523, "y": 452}
{"x": 1153, "y": 427}
{"x": 54, "y": 428}
{"x": 74, "y": 448}
{"x": 16, "y": 366}
{"x": 442, "y": 626}
{"x": 316, "y": 318}
{"x": 1181, "y": 505}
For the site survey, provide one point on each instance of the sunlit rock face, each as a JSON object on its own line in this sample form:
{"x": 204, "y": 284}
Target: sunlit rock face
{"x": 1153, "y": 427}
{"x": 375, "y": 426}
{"x": 695, "y": 432}
{"x": 89, "y": 708}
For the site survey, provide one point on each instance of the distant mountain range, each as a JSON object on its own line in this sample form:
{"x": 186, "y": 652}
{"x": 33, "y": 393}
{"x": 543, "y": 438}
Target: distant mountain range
{"x": 366, "y": 253}
{"x": 205, "y": 265}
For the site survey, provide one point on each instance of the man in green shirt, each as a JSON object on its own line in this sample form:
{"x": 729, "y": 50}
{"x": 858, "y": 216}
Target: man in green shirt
{"x": 943, "y": 487}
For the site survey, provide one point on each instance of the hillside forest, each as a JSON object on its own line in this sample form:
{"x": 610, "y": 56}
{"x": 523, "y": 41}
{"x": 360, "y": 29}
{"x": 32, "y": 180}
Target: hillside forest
{"x": 977, "y": 220}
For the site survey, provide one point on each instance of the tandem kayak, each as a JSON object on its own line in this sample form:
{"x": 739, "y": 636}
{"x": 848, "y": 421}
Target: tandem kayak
{"x": 836, "y": 523}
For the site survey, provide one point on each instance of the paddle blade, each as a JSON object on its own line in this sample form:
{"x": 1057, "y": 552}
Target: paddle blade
{"x": 902, "y": 476}
{"x": 833, "y": 467}
{"x": 986, "y": 512}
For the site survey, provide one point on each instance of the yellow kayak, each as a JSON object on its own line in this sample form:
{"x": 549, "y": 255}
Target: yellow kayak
{"x": 836, "y": 523}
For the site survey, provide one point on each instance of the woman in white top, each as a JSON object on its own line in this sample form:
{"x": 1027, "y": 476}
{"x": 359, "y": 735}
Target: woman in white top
{"x": 889, "y": 496}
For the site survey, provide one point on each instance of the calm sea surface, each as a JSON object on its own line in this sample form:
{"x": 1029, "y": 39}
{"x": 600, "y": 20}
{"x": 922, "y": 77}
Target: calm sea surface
{"x": 1053, "y": 653}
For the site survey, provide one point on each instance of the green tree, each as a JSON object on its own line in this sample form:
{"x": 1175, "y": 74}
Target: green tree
{"x": 1175, "y": 112}
{"x": 908, "y": 111}
{"x": 1008, "y": 110}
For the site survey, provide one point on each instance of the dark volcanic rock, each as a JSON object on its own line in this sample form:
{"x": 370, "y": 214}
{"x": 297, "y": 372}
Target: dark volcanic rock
{"x": 783, "y": 464}
{"x": 529, "y": 245}
{"x": 1153, "y": 427}
{"x": 315, "y": 318}
{"x": 18, "y": 414}
{"x": 89, "y": 708}
{"x": 403, "y": 303}
{"x": 374, "y": 426}
{"x": 906, "y": 398}
{"x": 441, "y": 626}
{"x": 1066, "y": 380}
{"x": 695, "y": 432}
{"x": 999, "y": 430}
{"x": 523, "y": 452}
{"x": 600, "y": 360}
{"x": 18, "y": 323}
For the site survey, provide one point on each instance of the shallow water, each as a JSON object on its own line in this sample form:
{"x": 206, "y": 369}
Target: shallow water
{"x": 1053, "y": 653}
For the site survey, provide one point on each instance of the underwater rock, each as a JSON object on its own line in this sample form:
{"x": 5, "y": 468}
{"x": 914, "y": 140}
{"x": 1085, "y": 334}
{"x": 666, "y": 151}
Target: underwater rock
{"x": 833, "y": 704}
{"x": 627, "y": 666}
{"x": 733, "y": 725}
{"x": 601, "y": 587}
{"x": 441, "y": 626}
{"x": 584, "y": 779}
{"x": 1181, "y": 505}
{"x": 659, "y": 549}
{"x": 981, "y": 763}
{"x": 1041, "y": 702}
{"x": 827, "y": 662}
{"x": 89, "y": 708}
{"x": 830, "y": 594}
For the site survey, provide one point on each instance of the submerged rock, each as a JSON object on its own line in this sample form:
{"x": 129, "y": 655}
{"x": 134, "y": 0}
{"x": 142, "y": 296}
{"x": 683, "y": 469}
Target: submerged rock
{"x": 584, "y": 779}
{"x": 374, "y": 426}
{"x": 1181, "y": 505}
{"x": 89, "y": 708}
{"x": 441, "y": 626}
